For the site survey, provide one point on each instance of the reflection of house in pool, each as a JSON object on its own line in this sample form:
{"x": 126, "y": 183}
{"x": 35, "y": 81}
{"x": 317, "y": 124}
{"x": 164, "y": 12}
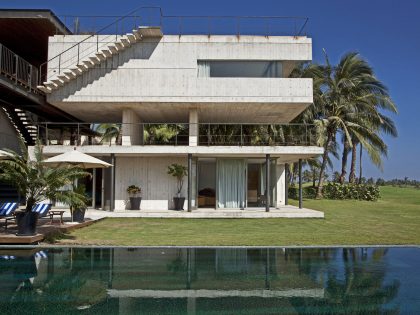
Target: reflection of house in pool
{"x": 232, "y": 280}
{"x": 196, "y": 281}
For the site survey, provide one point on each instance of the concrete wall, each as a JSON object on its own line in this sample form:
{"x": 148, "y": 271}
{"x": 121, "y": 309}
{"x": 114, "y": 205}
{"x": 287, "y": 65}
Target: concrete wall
{"x": 8, "y": 135}
{"x": 165, "y": 71}
{"x": 149, "y": 173}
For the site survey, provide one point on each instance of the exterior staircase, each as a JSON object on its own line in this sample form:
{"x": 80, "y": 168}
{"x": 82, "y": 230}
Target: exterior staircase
{"x": 95, "y": 59}
{"x": 23, "y": 124}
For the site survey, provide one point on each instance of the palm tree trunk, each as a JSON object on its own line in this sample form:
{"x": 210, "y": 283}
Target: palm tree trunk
{"x": 323, "y": 165}
{"x": 346, "y": 150}
{"x": 360, "y": 164}
{"x": 313, "y": 178}
{"x": 352, "y": 176}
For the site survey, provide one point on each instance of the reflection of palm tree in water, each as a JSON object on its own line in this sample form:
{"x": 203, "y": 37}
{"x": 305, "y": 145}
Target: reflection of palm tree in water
{"x": 358, "y": 288}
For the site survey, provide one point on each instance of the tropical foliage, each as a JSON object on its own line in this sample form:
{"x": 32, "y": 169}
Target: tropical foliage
{"x": 179, "y": 172}
{"x": 348, "y": 102}
{"x": 351, "y": 191}
{"x": 38, "y": 181}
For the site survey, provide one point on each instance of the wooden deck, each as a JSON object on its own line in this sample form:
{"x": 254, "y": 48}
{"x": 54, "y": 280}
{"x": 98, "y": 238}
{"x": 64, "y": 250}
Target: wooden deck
{"x": 44, "y": 229}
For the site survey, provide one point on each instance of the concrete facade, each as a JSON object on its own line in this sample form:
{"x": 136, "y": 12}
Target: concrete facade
{"x": 157, "y": 81}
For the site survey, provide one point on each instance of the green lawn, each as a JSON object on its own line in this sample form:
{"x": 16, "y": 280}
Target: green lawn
{"x": 394, "y": 219}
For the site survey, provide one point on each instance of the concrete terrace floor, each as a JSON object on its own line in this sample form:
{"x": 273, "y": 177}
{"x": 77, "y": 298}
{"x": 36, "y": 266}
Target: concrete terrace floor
{"x": 249, "y": 213}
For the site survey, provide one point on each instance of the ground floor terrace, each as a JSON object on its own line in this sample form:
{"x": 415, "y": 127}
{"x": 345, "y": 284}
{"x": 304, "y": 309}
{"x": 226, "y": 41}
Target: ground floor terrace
{"x": 221, "y": 181}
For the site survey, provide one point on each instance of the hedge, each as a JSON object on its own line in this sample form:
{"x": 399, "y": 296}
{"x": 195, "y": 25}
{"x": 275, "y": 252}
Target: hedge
{"x": 339, "y": 191}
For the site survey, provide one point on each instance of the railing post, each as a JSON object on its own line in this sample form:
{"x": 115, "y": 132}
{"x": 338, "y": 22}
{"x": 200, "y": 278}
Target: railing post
{"x": 242, "y": 140}
{"x": 78, "y": 53}
{"x": 208, "y": 135}
{"x": 30, "y": 77}
{"x": 59, "y": 63}
{"x": 1, "y": 55}
{"x": 17, "y": 67}
{"x": 46, "y": 134}
{"x": 97, "y": 42}
{"x": 78, "y": 134}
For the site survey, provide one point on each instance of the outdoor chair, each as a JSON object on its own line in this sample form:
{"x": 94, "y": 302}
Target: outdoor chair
{"x": 7, "y": 211}
{"x": 41, "y": 209}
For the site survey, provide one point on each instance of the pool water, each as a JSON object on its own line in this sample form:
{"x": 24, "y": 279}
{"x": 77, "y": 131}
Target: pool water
{"x": 210, "y": 281}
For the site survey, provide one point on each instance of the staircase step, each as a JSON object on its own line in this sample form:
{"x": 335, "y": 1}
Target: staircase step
{"x": 113, "y": 49}
{"x": 63, "y": 78}
{"x": 88, "y": 63}
{"x": 44, "y": 89}
{"x": 100, "y": 56}
{"x": 51, "y": 85}
{"x": 57, "y": 82}
{"x": 120, "y": 46}
{"x": 131, "y": 38}
{"x": 137, "y": 34}
{"x": 150, "y": 31}
{"x": 83, "y": 68}
{"x": 70, "y": 74}
{"x": 95, "y": 60}
{"x": 76, "y": 71}
{"x": 125, "y": 42}
{"x": 107, "y": 53}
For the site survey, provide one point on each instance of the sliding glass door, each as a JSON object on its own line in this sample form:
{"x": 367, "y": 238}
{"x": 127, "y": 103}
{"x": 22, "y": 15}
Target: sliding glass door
{"x": 231, "y": 183}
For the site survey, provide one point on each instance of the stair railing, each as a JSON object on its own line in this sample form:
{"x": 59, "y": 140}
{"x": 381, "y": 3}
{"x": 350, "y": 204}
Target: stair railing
{"x": 43, "y": 68}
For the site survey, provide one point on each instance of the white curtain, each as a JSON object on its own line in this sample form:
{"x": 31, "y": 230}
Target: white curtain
{"x": 203, "y": 69}
{"x": 231, "y": 183}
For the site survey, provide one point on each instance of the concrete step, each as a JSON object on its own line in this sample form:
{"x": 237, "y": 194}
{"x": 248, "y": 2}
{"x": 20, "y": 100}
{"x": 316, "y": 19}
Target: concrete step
{"x": 100, "y": 56}
{"x": 70, "y": 74}
{"x": 125, "y": 41}
{"x": 106, "y": 52}
{"x": 51, "y": 85}
{"x": 113, "y": 49}
{"x": 63, "y": 78}
{"x": 89, "y": 64}
{"x": 95, "y": 60}
{"x": 82, "y": 67}
{"x": 58, "y": 82}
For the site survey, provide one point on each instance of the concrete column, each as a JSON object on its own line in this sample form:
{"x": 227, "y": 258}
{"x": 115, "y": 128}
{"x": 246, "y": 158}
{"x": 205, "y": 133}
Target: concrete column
{"x": 286, "y": 184}
{"x": 193, "y": 127}
{"x": 103, "y": 189}
{"x": 189, "y": 181}
{"x": 280, "y": 185}
{"x": 112, "y": 199}
{"x": 94, "y": 188}
{"x": 131, "y": 129}
{"x": 300, "y": 183}
{"x": 267, "y": 183}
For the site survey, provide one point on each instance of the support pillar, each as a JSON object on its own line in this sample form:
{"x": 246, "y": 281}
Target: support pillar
{"x": 300, "y": 183}
{"x": 189, "y": 181}
{"x": 103, "y": 189}
{"x": 267, "y": 182}
{"x": 132, "y": 128}
{"x": 112, "y": 199}
{"x": 193, "y": 128}
{"x": 286, "y": 185}
{"x": 94, "y": 188}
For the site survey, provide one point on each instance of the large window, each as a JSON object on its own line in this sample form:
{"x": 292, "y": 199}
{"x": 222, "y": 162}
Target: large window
{"x": 239, "y": 69}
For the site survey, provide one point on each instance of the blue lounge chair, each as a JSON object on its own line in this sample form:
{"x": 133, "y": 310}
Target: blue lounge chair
{"x": 7, "y": 211}
{"x": 42, "y": 209}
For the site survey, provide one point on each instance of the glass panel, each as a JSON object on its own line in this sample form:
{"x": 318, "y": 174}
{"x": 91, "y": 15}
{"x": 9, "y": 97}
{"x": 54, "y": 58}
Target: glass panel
{"x": 239, "y": 69}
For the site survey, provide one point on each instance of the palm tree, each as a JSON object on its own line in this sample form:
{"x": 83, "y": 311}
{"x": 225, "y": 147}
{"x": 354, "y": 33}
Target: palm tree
{"x": 109, "y": 131}
{"x": 347, "y": 99}
{"x": 37, "y": 181}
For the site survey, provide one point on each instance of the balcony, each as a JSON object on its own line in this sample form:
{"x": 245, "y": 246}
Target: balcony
{"x": 176, "y": 134}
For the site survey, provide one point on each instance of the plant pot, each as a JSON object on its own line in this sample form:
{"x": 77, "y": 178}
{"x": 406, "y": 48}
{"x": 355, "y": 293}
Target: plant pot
{"x": 135, "y": 203}
{"x": 26, "y": 222}
{"x": 78, "y": 215}
{"x": 179, "y": 203}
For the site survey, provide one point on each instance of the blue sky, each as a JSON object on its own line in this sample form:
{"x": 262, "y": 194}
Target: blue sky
{"x": 385, "y": 32}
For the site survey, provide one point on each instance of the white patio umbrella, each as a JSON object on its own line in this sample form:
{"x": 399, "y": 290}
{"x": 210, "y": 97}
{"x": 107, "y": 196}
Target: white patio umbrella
{"x": 4, "y": 155}
{"x": 76, "y": 158}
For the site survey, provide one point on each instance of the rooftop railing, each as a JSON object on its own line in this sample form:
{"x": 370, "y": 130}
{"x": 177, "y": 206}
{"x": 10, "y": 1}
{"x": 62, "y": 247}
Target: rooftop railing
{"x": 109, "y": 27}
{"x": 208, "y": 134}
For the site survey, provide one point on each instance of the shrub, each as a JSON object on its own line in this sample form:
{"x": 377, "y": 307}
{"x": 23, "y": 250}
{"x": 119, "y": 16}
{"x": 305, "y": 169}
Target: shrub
{"x": 351, "y": 191}
{"x": 307, "y": 192}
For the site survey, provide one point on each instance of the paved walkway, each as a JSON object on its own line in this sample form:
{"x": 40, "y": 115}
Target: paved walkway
{"x": 283, "y": 212}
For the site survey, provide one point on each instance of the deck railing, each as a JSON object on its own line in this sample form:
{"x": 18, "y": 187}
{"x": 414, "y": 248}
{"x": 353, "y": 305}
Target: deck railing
{"x": 17, "y": 69}
{"x": 207, "y": 134}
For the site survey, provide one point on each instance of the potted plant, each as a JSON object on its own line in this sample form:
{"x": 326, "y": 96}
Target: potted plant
{"x": 135, "y": 200}
{"x": 37, "y": 182}
{"x": 78, "y": 207}
{"x": 179, "y": 172}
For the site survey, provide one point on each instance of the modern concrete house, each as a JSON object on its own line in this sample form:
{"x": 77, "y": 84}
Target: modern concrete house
{"x": 222, "y": 105}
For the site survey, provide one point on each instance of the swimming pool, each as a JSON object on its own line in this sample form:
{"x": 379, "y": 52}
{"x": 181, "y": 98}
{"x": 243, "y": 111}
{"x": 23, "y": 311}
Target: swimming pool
{"x": 210, "y": 281}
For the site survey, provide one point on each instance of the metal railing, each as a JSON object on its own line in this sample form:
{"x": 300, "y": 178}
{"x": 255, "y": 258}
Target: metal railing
{"x": 99, "y": 28}
{"x": 207, "y": 134}
{"x": 18, "y": 69}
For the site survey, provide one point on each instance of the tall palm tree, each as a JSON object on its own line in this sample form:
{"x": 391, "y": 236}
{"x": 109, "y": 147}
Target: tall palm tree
{"x": 348, "y": 100}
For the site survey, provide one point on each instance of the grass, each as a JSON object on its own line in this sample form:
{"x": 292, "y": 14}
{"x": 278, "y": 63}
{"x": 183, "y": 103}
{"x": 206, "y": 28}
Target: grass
{"x": 394, "y": 219}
